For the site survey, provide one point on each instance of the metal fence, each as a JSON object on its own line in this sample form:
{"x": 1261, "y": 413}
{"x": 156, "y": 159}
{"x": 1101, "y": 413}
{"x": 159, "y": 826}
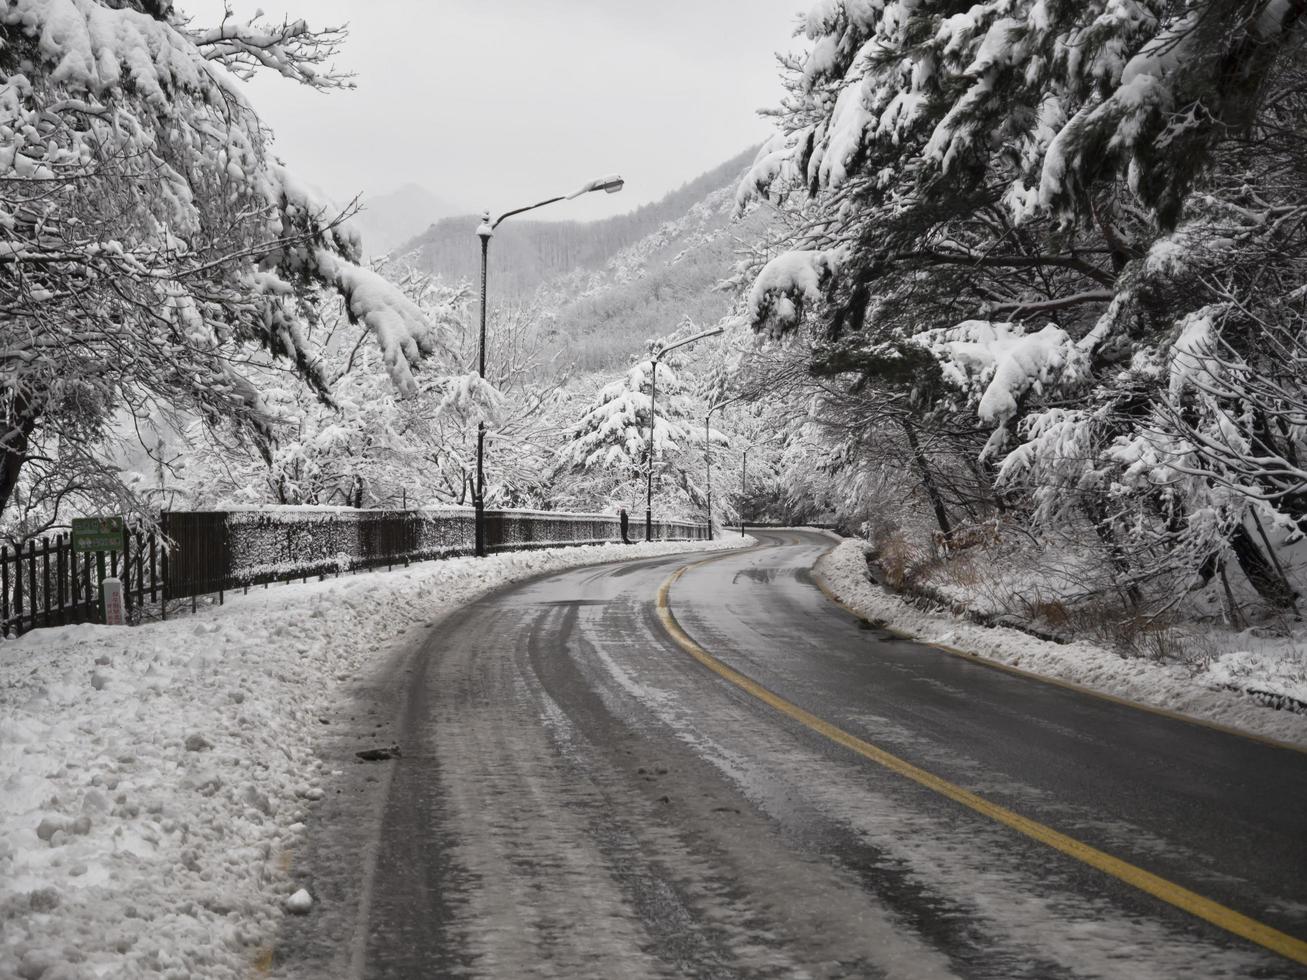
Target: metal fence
{"x": 46, "y": 583}
{"x": 197, "y": 553}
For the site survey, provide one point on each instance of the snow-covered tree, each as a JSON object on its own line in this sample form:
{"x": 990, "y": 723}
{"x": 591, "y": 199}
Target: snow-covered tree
{"x": 605, "y": 462}
{"x": 367, "y": 446}
{"x": 1014, "y": 210}
{"x": 153, "y": 252}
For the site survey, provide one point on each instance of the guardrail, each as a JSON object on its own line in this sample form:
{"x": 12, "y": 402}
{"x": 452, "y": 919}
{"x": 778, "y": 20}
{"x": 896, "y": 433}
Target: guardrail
{"x": 199, "y": 553}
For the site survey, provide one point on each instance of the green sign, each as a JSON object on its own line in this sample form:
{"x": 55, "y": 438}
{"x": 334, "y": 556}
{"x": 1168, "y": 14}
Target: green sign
{"x": 97, "y": 534}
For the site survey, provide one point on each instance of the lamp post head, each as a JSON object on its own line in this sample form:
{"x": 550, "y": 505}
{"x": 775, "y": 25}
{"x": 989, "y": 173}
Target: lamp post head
{"x": 610, "y": 184}
{"x": 485, "y": 229}
{"x": 688, "y": 340}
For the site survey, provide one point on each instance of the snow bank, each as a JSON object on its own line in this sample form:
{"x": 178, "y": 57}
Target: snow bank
{"x": 151, "y": 777}
{"x": 1177, "y": 688}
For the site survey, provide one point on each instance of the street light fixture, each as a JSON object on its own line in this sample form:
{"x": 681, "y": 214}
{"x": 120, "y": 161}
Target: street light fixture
{"x": 485, "y": 231}
{"x": 653, "y": 400}
{"x": 707, "y": 452}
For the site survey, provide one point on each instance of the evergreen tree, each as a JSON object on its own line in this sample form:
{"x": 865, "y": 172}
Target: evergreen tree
{"x": 1047, "y": 200}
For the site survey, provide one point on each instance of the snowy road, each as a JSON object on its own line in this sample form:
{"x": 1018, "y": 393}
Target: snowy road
{"x": 579, "y": 797}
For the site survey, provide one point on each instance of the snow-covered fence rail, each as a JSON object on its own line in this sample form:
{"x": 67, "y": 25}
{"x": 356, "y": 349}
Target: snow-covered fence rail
{"x": 196, "y": 553}
{"x": 219, "y": 550}
{"x": 200, "y": 553}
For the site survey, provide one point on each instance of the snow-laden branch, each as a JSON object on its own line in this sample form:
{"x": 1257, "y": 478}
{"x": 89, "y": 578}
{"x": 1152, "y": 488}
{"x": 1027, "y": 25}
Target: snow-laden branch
{"x": 291, "y": 48}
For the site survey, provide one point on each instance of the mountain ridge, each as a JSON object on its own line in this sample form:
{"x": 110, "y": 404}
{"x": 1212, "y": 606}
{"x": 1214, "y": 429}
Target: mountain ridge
{"x": 527, "y": 254}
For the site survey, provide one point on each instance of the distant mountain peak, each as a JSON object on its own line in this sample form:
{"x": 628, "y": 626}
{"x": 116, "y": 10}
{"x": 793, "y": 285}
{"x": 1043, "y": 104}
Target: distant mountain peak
{"x": 392, "y": 218}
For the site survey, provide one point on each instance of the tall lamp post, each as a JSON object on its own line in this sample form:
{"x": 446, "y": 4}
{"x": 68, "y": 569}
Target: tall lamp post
{"x": 485, "y": 231}
{"x": 707, "y": 452}
{"x": 653, "y": 400}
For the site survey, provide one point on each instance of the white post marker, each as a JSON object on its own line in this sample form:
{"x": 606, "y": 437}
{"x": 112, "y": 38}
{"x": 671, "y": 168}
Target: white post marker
{"x": 115, "y": 611}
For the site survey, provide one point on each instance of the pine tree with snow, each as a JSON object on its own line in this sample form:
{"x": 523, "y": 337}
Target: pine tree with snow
{"x": 1038, "y": 197}
{"x": 605, "y": 462}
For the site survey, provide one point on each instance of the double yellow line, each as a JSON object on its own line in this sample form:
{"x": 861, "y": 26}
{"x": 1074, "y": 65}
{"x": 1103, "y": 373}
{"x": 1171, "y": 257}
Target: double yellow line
{"x": 1169, "y": 892}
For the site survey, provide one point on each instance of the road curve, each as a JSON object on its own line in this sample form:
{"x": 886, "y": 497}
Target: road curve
{"x": 580, "y": 798}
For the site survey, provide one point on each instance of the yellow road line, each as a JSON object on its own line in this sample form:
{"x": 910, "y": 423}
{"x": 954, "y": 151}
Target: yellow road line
{"x": 1169, "y": 892}
{"x": 983, "y": 661}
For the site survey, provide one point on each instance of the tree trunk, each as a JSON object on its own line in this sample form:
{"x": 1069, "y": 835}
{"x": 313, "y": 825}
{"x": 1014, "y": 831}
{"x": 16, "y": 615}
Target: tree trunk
{"x": 928, "y": 482}
{"x": 20, "y": 422}
{"x": 1116, "y": 554}
{"x": 1260, "y": 572}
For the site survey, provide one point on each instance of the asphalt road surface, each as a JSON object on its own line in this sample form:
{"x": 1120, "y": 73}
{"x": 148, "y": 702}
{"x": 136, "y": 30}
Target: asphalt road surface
{"x": 580, "y": 797}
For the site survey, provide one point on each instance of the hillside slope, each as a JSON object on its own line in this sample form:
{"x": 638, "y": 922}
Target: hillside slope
{"x": 645, "y": 291}
{"x": 528, "y": 253}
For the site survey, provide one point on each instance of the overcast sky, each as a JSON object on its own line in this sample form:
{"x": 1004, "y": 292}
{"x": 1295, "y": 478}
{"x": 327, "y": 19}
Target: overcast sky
{"x": 497, "y": 103}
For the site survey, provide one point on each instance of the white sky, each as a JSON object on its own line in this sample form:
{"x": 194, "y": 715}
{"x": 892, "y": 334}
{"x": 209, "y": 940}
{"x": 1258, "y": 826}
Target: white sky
{"x": 498, "y": 103}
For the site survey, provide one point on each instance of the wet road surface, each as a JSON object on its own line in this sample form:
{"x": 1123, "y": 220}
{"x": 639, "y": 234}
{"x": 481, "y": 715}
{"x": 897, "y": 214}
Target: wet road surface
{"x": 578, "y": 797}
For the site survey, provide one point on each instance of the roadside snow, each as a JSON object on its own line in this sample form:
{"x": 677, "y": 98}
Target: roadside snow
{"x": 152, "y": 777}
{"x": 1200, "y": 694}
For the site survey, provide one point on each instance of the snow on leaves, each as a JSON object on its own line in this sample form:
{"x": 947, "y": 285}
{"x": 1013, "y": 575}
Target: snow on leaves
{"x": 614, "y": 432}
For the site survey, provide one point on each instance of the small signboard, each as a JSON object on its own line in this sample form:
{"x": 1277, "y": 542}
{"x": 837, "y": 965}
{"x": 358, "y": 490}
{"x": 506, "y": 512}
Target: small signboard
{"x": 91, "y": 534}
{"x": 115, "y": 611}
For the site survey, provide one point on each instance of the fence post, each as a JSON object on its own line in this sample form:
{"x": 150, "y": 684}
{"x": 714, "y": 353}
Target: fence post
{"x": 4, "y": 585}
{"x": 45, "y": 579}
{"x": 126, "y": 576}
{"x": 139, "y": 552}
{"x": 60, "y": 571}
{"x": 32, "y": 598}
{"x": 18, "y": 588}
{"x": 163, "y": 568}
{"x": 154, "y": 564}
{"x": 88, "y": 597}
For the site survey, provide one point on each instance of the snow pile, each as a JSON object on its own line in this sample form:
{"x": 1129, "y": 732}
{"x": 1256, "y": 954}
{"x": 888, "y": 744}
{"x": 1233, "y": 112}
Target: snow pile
{"x": 1274, "y": 669}
{"x": 152, "y": 777}
{"x": 1177, "y": 688}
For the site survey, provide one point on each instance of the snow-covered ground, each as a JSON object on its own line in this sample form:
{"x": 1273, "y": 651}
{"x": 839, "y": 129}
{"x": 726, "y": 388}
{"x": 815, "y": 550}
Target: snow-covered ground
{"x": 1272, "y": 665}
{"x": 151, "y": 778}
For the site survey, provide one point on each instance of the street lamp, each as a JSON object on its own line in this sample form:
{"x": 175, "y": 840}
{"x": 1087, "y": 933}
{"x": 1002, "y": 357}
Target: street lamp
{"x": 653, "y": 399}
{"x": 707, "y": 452}
{"x": 485, "y": 231}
